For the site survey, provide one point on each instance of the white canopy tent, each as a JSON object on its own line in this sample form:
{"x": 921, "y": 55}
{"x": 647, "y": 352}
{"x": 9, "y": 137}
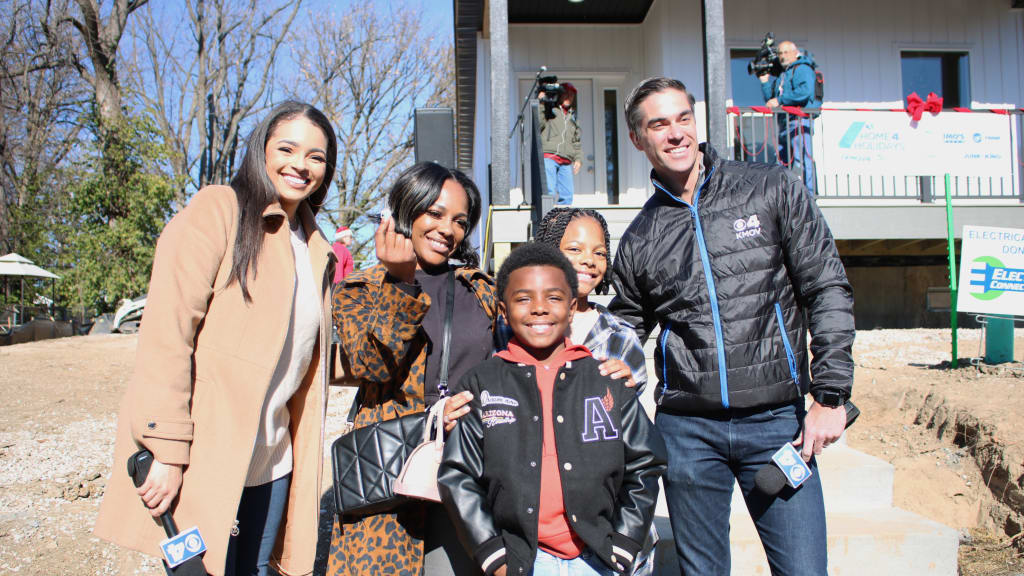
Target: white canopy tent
{"x": 16, "y": 265}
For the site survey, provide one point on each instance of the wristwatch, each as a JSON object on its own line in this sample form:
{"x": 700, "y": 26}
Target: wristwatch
{"x": 831, "y": 397}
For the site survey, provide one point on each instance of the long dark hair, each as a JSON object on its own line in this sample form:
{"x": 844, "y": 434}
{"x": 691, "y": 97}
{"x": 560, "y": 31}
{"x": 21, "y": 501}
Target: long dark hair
{"x": 255, "y": 191}
{"x": 416, "y": 190}
{"x": 552, "y": 228}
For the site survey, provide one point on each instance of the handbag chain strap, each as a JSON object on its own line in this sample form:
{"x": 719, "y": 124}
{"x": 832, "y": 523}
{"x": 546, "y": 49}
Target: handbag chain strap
{"x": 442, "y": 385}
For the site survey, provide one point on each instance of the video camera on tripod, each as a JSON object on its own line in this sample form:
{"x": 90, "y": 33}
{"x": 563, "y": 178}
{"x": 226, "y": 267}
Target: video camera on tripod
{"x": 767, "y": 59}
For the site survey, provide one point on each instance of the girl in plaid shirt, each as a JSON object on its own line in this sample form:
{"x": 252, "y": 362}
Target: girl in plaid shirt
{"x": 582, "y": 235}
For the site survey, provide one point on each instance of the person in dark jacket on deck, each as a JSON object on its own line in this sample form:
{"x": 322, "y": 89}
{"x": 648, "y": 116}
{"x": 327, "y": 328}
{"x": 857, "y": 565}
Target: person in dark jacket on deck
{"x": 728, "y": 259}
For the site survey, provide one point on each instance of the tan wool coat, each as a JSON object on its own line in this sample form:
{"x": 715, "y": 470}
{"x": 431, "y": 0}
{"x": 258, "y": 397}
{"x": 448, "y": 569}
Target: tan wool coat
{"x": 204, "y": 363}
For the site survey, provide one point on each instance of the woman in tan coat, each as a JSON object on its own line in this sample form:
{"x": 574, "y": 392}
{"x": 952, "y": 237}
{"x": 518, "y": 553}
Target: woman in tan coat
{"x": 229, "y": 391}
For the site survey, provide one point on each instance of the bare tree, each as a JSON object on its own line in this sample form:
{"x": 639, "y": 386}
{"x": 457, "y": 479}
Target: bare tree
{"x": 368, "y": 71}
{"x": 202, "y": 78}
{"x": 41, "y": 99}
{"x": 101, "y": 39}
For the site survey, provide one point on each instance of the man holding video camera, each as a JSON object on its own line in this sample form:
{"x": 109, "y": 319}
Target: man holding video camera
{"x": 560, "y": 139}
{"x": 793, "y": 86}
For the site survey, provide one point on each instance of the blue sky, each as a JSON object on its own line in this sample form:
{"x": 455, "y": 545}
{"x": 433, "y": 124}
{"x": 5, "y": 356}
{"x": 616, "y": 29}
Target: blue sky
{"x": 437, "y": 12}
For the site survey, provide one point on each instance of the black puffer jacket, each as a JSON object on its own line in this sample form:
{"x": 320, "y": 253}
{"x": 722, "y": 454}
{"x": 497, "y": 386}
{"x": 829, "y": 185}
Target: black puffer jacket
{"x": 721, "y": 277}
{"x": 490, "y": 478}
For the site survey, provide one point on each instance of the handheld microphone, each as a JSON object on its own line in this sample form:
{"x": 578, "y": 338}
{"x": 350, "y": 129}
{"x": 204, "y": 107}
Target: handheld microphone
{"x": 181, "y": 549}
{"x": 771, "y": 479}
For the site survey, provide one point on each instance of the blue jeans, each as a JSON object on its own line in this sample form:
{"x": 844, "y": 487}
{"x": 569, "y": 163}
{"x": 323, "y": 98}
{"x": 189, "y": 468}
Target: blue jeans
{"x": 259, "y": 516}
{"x": 795, "y": 148}
{"x": 706, "y": 453}
{"x": 559, "y": 177}
{"x": 586, "y": 564}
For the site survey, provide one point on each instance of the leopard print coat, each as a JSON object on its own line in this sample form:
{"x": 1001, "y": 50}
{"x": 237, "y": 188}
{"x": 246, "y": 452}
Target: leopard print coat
{"x": 385, "y": 351}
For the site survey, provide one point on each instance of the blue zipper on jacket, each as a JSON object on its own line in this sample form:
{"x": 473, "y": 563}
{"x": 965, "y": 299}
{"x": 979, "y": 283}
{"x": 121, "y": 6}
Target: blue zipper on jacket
{"x": 664, "y": 360}
{"x": 789, "y": 348}
{"x": 716, "y": 319}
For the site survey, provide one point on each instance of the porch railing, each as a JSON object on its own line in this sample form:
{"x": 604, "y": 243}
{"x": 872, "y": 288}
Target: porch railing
{"x": 760, "y": 134}
{"x": 530, "y": 167}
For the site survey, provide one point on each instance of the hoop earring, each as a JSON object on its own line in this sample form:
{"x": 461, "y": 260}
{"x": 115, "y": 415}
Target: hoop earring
{"x": 320, "y": 205}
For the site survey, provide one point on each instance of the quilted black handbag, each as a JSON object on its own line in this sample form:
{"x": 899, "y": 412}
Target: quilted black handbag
{"x": 366, "y": 461}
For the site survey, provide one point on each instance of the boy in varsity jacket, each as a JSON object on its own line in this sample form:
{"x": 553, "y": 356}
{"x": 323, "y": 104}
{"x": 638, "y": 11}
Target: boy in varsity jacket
{"x": 555, "y": 464}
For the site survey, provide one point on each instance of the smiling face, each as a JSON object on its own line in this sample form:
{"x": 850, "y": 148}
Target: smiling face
{"x": 296, "y": 161}
{"x": 668, "y": 135}
{"x": 437, "y": 232}
{"x": 583, "y": 244}
{"x": 538, "y": 306}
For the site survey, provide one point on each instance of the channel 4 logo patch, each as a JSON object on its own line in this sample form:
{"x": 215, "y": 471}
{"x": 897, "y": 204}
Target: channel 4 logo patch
{"x": 186, "y": 545}
{"x": 792, "y": 465}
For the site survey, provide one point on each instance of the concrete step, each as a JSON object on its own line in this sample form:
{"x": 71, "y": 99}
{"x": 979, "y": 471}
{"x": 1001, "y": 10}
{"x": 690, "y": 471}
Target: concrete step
{"x": 851, "y": 481}
{"x": 884, "y": 541}
{"x": 871, "y": 542}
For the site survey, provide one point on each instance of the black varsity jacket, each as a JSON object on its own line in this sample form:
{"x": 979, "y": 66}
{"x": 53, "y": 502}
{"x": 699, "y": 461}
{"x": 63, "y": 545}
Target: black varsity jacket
{"x": 609, "y": 452}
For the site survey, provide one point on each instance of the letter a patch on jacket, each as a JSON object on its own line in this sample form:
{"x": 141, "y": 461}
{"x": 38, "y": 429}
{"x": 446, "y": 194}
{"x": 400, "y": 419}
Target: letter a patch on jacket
{"x": 597, "y": 423}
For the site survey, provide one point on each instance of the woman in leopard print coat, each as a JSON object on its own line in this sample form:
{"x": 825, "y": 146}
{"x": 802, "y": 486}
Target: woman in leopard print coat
{"x": 390, "y": 317}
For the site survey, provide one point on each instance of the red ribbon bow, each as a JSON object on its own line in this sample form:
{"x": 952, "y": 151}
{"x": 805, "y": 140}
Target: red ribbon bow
{"x": 917, "y": 107}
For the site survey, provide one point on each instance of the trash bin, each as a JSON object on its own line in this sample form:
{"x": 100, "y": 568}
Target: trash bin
{"x": 999, "y": 339}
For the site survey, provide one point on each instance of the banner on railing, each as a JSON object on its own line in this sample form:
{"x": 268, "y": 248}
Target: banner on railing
{"x": 960, "y": 144}
{"x": 992, "y": 271}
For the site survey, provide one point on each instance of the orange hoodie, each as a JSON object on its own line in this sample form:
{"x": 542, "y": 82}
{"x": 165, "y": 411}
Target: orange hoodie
{"x": 554, "y": 535}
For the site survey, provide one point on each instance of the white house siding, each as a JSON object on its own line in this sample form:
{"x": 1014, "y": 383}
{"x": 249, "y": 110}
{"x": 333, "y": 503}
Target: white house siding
{"x": 858, "y": 44}
{"x": 674, "y": 47}
{"x": 674, "y": 43}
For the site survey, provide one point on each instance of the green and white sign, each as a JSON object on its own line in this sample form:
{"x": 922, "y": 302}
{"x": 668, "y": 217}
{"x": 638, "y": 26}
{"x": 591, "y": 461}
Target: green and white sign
{"x": 992, "y": 271}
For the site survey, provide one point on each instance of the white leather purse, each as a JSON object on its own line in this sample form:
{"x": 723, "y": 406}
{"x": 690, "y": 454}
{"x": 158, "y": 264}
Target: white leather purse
{"x": 418, "y": 478}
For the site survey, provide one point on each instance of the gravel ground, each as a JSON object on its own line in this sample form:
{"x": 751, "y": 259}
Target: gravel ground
{"x": 919, "y": 347}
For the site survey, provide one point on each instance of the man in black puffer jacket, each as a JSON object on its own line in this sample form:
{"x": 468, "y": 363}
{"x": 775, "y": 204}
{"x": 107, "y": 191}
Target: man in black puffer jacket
{"x": 728, "y": 259}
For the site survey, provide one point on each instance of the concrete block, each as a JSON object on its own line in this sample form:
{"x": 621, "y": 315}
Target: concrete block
{"x": 886, "y": 541}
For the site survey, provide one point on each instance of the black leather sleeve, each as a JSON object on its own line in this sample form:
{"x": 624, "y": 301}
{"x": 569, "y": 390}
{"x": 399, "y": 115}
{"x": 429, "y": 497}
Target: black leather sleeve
{"x": 645, "y": 458}
{"x": 463, "y": 491}
{"x": 819, "y": 279}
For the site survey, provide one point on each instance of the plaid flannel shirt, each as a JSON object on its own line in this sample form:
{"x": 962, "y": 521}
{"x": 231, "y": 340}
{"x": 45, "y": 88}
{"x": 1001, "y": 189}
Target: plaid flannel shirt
{"x": 613, "y": 338}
